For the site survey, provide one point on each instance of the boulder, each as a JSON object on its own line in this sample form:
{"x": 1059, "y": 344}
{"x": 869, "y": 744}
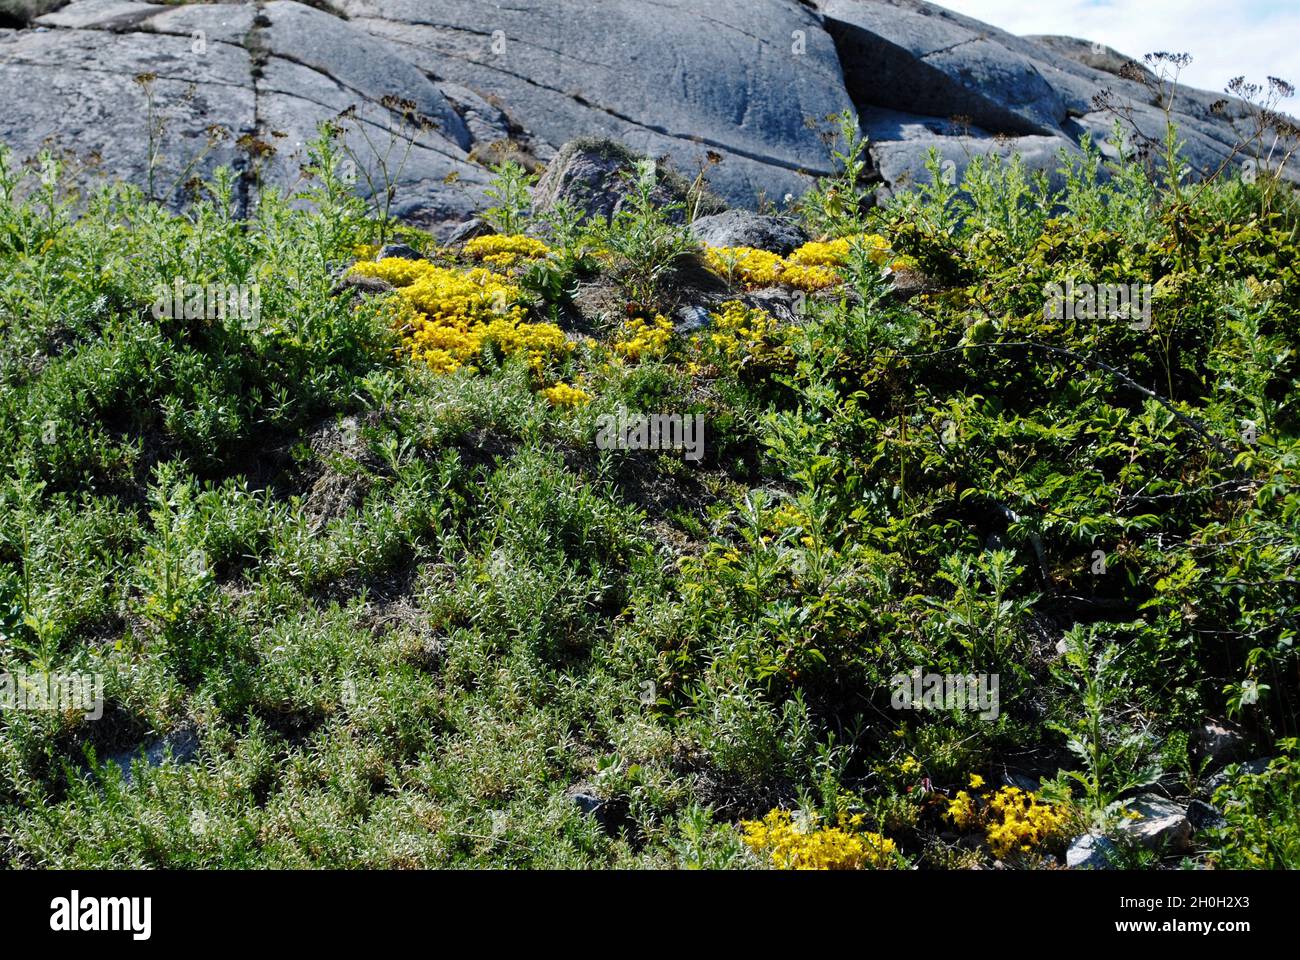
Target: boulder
{"x": 20, "y": 13}
{"x": 597, "y": 176}
{"x": 742, "y": 228}
{"x": 100, "y": 14}
{"x": 467, "y": 231}
{"x": 400, "y": 251}
{"x": 1159, "y": 823}
{"x": 1220, "y": 743}
{"x": 1247, "y": 768}
{"x": 1090, "y": 852}
{"x": 1204, "y": 816}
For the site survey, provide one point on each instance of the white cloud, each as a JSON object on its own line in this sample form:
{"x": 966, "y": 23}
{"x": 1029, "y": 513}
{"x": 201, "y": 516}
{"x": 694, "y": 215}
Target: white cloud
{"x": 1257, "y": 38}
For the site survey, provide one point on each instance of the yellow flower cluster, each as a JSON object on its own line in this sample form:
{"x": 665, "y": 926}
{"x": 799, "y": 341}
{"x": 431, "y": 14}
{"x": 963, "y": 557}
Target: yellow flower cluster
{"x": 842, "y": 847}
{"x": 1020, "y": 822}
{"x": 809, "y": 278}
{"x": 1014, "y": 820}
{"x": 563, "y": 395}
{"x": 812, "y": 267}
{"x": 740, "y": 332}
{"x": 447, "y": 316}
{"x": 786, "y": 516}
{"x": 505, "y": 251}
{"x": 398, "y": 271}
{"x": 835, "y": 253}
{"x": 644, "y": 340}
{"x": 751, "y": 267}
{"x": 961, "y": 810}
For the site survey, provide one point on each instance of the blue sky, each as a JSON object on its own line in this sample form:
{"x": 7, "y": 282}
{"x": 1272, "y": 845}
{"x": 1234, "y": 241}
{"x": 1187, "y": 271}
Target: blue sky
{"x": 1227, "y": 38}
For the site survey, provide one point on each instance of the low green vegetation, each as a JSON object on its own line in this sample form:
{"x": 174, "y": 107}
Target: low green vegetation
{"x": 337, "y": 533}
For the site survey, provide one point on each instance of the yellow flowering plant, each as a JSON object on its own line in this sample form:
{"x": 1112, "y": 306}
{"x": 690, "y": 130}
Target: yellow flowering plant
{"x": 814, "y": 266}
{"x": 504, "y": 252}
{"x": 1014, "y": 821}
{"x": 447, "y": 316}
{"x": 792, "y": 845}
{"x": 747, "y": 266}
{"x": 642, "y": 339}
{"x": 565, "y": 395}
{"x": 740, "y": 336}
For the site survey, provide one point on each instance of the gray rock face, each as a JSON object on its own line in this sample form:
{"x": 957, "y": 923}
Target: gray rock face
{"x": 920, "y": 58}
{"x": 1159, "y": 823}
{"x": 1247, "y": 768}
{"x": 737, "y": 88}
{"x": 399, "y": 251}
{"x": 1090, "y": 852}
{"x": 100, "y": 14}
{"x": 19, "y": 13}
{"x": 89, "y": 93}
{"x": 1095, "y": 55}
{"x": 467, "y": 231}
{"x": 1220, "y": 743}
{"x": 1204, "y": 816}
{"x": 922, "y": 76}
{"x": 179, "y": 746}
{"x": 597, "y": 176}
{"x": 224, "y": 85}
{"x": 672, "y": 77}
{"x": 741, "y": 228}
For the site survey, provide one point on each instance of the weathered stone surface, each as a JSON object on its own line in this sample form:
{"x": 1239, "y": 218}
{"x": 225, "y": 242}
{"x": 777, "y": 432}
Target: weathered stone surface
{"x": 399, "y": 251}
{"x": 235, "y": 86}
{"x": 179, "y": 746}
{"x": 368, "y": 68}
{"x": 921, "y": 75}
{"x": 596, "y": 176}
{"x": 1220, "y": 742}
{"x": 1090, "y": 852}
{"x": 1098, "y": 56}
{"x": 1247, "y": 768}
{"x": 100, "y": 14}
{"x": 214, "y": 22}
{"x": 736, "y": 88}
{"x": 467, "y": 231}
{"x": 923, "y": 59}
{"x": 77, "y": 91}
{"x": 1204, "y": 816}
{"x": 676, "y": 78}
{"x": 902, "y": 163}
{"x": 485, "y": 121}
{"x": 741, "y": 228}
{"x": 19, "y": 13}
{"x": 1159, "y": 823}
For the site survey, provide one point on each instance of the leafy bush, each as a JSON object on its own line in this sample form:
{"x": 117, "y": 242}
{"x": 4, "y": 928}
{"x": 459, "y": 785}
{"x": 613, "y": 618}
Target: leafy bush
{"x": 413, "y": 614}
